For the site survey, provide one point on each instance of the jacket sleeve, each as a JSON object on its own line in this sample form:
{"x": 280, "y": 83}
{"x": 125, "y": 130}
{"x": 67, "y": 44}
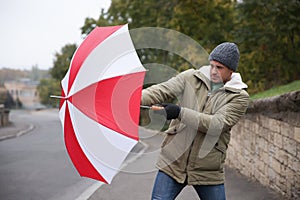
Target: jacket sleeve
{"x": 162, "y": 92}
{"x": 225, "y": 118}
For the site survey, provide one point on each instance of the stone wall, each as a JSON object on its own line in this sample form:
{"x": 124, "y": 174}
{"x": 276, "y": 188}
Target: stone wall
{"x": 267, "y": 150}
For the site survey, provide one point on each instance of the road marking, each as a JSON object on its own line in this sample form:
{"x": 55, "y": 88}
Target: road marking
{"x": 89, "y": 191}
{"x": 92, "y": 189}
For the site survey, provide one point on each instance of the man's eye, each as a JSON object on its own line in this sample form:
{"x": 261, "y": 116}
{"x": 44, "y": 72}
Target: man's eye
{"x": 219, "y": 67}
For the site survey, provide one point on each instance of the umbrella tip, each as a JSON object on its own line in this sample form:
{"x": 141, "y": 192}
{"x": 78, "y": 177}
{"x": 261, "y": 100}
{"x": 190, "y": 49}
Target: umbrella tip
{"x": 57, "y": 97}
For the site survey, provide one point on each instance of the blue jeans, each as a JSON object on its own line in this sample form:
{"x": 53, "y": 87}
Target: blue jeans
{"x": 166, "y": 188}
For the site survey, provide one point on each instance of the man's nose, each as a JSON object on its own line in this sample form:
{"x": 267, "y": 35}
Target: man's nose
{"x": 214, "y": 70}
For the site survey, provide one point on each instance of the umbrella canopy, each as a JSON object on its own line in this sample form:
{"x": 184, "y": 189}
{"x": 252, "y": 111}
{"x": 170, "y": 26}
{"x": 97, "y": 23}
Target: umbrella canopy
{"x": 99, "y": 109}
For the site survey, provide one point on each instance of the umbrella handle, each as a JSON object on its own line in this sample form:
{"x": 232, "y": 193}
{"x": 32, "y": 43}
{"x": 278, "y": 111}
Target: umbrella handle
{"x": 153, "y": 107}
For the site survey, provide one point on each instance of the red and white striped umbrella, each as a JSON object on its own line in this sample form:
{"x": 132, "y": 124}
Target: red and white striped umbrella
{"x": 100, "y": 103}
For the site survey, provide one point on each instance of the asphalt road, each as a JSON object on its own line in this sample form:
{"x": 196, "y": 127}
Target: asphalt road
{"x": 36, "y": 165}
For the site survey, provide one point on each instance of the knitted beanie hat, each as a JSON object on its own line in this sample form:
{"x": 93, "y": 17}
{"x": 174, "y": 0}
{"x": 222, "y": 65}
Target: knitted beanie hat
{"x": 226, "y": 53}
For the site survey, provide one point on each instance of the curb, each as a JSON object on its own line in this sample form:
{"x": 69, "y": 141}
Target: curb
{"x": 18, "y": 133}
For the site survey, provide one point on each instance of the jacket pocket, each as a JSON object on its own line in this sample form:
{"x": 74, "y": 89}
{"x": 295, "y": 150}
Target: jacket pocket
{"x": 175, "y": 127}
{"x": 214, "y": 160}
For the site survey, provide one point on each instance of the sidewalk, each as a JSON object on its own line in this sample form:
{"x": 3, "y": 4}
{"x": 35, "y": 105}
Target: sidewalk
{"x": 131, "y": 185}
{"x": 17, "y": 127}
{"x": 139, "y": 186}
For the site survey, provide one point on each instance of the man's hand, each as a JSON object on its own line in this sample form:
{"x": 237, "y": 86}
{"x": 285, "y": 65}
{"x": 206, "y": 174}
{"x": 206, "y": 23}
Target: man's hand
{"x": 171, "y": 111}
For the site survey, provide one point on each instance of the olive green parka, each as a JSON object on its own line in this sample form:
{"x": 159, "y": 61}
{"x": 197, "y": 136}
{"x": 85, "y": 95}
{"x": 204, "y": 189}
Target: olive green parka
{"x": 194, "y": 148}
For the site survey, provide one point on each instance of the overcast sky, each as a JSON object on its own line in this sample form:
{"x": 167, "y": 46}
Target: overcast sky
{"x": 32, "y": 31}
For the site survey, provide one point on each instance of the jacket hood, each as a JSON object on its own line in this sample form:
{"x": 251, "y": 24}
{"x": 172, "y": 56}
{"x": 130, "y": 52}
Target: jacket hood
{"x": 235, "y": 83}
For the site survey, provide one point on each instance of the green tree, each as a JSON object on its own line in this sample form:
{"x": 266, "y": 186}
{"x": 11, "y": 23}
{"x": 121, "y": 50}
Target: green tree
{"x": 62, "y": 61}
{"x": 208, "y": 22}
{"x": 51, "y": 86}
{"x": 269, "y": 37}
{"x": 267, "y": 32}
{"x": 90, "y": 23}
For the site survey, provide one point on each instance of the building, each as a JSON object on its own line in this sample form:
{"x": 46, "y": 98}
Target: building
{"x": 24, "y": 91}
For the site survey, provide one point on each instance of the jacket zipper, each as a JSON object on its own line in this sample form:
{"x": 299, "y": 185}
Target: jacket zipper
{"x": 191, "y": 147}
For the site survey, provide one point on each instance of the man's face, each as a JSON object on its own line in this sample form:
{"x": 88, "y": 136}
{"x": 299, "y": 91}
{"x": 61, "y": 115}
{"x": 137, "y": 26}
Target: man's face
{"x": 219, "y": 73}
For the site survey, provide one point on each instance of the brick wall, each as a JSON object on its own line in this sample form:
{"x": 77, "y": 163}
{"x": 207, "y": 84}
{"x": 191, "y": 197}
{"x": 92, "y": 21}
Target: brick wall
{"x": 267, "y": 150}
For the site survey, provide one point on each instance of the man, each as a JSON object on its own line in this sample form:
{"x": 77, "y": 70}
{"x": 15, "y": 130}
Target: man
{"x": 211, "y": 100}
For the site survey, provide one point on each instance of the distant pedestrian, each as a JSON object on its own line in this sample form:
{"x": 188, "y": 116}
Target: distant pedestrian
{"x": 211, "y": 100}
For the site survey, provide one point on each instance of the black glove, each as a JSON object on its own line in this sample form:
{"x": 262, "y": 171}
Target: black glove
{"x": 171, "y": 110}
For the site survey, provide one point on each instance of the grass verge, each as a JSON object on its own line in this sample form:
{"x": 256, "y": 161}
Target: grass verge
{"x": 293, "y": 86}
